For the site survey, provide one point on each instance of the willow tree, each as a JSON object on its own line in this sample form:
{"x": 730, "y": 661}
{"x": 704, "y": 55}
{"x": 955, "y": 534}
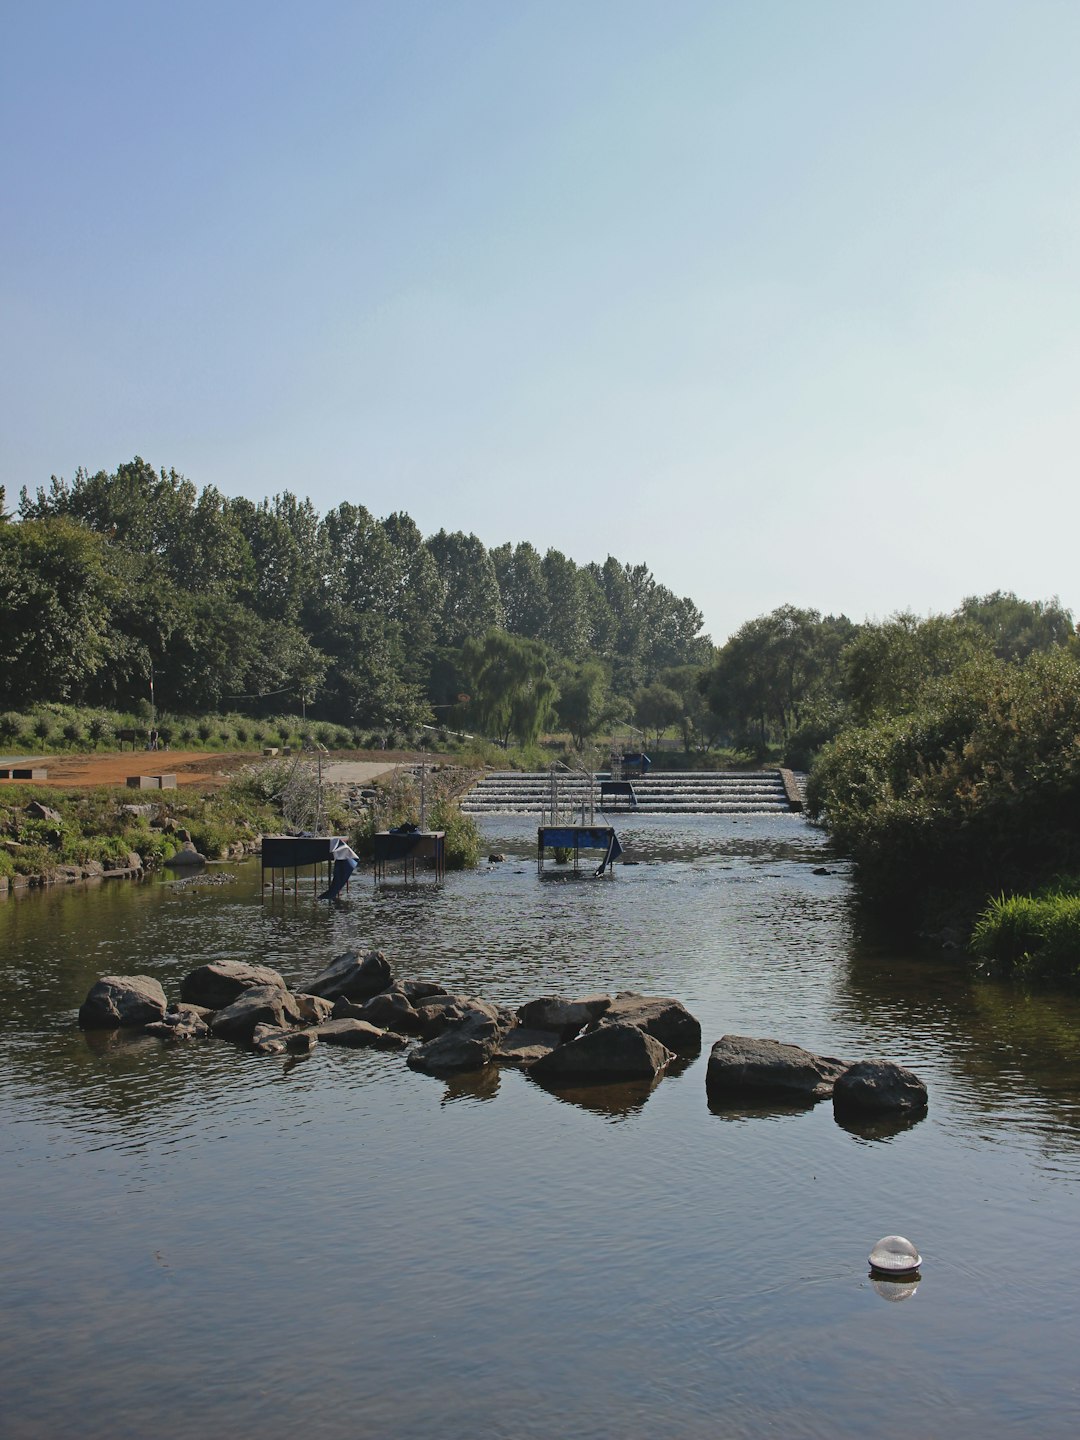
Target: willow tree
{"x": 511, "y": 692}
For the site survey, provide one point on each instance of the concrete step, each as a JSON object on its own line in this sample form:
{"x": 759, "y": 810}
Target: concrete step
{"x": 666, "y": 792}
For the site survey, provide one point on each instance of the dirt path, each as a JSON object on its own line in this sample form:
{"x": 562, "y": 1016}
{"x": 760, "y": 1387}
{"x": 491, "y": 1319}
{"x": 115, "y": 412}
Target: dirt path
{"x": 191, "y": 767}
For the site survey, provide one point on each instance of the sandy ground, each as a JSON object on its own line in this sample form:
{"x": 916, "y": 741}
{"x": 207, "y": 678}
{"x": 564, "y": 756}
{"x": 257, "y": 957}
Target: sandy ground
{"x": 191, "y": 767}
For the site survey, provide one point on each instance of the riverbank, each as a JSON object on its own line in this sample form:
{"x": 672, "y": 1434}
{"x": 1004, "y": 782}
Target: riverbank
{"x": 95, "y": 827}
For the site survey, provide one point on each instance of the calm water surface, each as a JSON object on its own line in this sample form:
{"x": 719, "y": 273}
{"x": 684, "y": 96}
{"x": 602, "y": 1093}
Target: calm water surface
{"x": 198, "y": 1241}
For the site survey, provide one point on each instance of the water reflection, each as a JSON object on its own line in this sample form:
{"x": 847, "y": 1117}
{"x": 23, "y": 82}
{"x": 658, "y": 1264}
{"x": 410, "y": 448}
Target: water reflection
{"x": 614, "y": 1102}
{"x": 344, "y": 1184}
{"x": 877, "y": 1127}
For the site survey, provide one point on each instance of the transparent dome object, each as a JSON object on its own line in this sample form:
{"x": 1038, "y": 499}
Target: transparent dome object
{"x": 893, "y": 1255}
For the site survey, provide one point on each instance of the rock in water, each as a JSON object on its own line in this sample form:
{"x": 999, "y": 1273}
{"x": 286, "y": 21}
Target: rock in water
{"x": 122, "y": 1000}
{"x": 468, "y": 1044}
{"x": 261, "y": 1005}
{"x": 354, "y": 976}
{"x": 219, "y": 983}
{"x": 876, "y": 1087}
{"x": 742, "y": 1067}
{"x": 664, "y": 1019}
{"x": 606, "y": 1055}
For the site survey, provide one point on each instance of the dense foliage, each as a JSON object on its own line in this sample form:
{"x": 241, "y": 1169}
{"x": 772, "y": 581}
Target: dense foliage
{"x": 116, "y": 585}
{"x": 971, "y": 790}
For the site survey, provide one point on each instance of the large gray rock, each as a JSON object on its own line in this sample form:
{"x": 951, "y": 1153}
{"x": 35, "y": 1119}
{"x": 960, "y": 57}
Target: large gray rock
{"x": 261, "y": 1005}
{"x": 607, "y": 1054}
{"x": 313, "y": 1007}
{"x": 122, "y": 1000}
{"x": 469, "y": 1044}
{"x": 742, "y": 1067}
{"x": 439, "y": 1012}
{"x": 218, "y": 984}
{"x": 355, "y": 976}
{"x": 421, "y": 990}
{"x": 391, "y": 1010}
{"x": 665, "y": 1019}
{"x": 567, "y": 1017}
{"x": 187, "y": 855}
{"x": 358, "y": 1034}
{"x": 878, "y": 1087}
{"x": 522, "y": 1046}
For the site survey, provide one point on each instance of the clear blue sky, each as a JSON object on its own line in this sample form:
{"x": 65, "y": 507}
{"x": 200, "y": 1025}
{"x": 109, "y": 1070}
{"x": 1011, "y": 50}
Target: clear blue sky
{"x": 780, "y": 298}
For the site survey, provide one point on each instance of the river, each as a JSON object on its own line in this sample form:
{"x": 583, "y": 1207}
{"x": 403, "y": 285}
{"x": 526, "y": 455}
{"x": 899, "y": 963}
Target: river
{"x": 196, "y": 1240}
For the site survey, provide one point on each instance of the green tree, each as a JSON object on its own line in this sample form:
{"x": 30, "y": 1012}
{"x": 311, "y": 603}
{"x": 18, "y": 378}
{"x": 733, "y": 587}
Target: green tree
{"x": 657, "y": 707}
{"x": 469, "y": 602}
{"x": 886, "y": 666}
{"x": 57, "y": 589}
{"x": 1017, "y": 628}
{"x": 585, "y": 702}
{"x": 509, "y": 685}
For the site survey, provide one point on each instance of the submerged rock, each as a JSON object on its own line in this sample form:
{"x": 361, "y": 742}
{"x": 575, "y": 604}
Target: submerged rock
{"x": 742, "y": 1067}
{"x": 358, "y": 1034}
{"x": 607, "y": 1054}
{"x": 875, "y": 1087}
{"x": 116, "y": 1001}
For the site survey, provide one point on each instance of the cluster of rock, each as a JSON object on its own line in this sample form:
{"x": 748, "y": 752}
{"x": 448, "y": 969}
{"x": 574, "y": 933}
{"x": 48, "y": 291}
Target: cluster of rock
{"x": 595, "y": 1039}
{"x": 743, "y": 1070}
{"x": 356, "y": 1001}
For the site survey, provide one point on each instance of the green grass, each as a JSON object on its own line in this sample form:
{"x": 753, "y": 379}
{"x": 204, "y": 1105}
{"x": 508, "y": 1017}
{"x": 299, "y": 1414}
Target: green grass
{"x": 1036, "y": 936}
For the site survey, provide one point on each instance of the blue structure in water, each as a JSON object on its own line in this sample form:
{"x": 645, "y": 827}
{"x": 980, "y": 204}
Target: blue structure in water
{"x": 578, "y": 838}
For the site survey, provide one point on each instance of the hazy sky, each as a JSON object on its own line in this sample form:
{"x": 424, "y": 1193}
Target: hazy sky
{"x": 780, "y": 298}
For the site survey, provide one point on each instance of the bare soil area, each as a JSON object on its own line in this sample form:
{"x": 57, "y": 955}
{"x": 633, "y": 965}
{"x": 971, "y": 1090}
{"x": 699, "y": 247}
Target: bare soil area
{"x": 208, "y": 770}
{"x": 191, "y": 767}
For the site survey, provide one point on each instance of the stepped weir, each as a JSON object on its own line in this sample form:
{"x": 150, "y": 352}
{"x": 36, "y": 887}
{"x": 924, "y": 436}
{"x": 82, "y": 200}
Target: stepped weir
{"x": 672, "y": 792}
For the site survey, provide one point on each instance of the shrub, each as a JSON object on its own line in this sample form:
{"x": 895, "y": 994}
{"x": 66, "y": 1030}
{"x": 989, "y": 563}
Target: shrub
{"x": 73, "y": 733}
{"x": 1031, "y": 935}
{"x": 43, "y": 728}
{"x": 241, "y": 733}
{"x": 204, "y": 730}
{"x": 100, "y": 726}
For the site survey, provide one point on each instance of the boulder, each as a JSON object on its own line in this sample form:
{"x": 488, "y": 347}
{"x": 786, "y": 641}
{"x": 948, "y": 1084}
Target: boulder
{"x": 358, "y": 1034}
{"x": 261, "y": 1005}
{"x": 468, "y": 1044}
{"x": 391, "y": 1010}
{"x": 313, "y": 1008}
{"x": 357, "y": 977}
{"x": 122, "y": 1000}
{"x": 186, "y": 855}
{"x": 522, "y": 1046}
{"x": 440, "y": 1012}
{"x": 664, "y": 1019}
{"x": 567, "y": 1017}
{"x": 606, "y": 1055}
{"x": 219, "y": 983}
{"x": 877, "y": 1087}
{"x": 44, "y": 812}
{"x": 742, "y": 1067}
{"x": 415, "y": 990}
{"x": 186, "y": 1022}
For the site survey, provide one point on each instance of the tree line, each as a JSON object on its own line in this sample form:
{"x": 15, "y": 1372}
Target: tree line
{"x": 116, "y": 584}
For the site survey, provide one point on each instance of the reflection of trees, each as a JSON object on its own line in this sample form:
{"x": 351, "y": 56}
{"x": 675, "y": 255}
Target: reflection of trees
{"x": 1016, "y": 1051}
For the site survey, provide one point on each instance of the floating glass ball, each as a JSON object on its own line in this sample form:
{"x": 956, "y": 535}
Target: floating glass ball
{"x": 893, "y": 1255}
